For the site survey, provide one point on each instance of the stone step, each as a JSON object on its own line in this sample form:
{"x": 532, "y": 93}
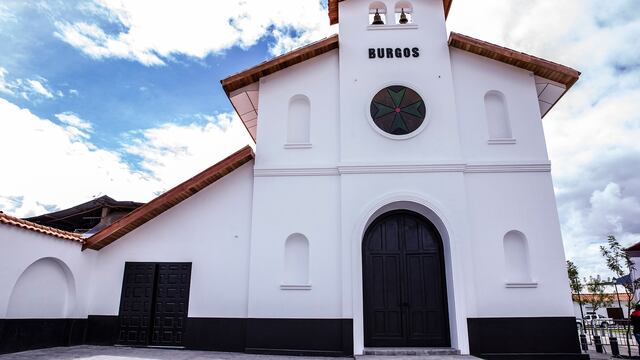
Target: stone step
{"x": 410, "y": 351}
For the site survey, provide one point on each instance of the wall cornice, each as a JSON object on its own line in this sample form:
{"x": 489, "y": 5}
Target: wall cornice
{"x": 348, "y": 169}
{"x": 311, "y": 171}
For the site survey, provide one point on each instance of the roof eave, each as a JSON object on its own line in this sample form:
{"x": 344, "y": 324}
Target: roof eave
{"x": 42, "y": 229}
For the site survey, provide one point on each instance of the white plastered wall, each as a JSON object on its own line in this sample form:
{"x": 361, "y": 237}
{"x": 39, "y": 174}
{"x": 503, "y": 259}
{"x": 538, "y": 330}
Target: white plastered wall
{"x": 285, "y": 204}
{"x": 499, "y": 203}
{"x": 308, "y": 205}
{"x": 211, "y": 229}
{"x": 316, "y": 80}
{"x": 473, "y": 77}
{"x": 42, "y": 276}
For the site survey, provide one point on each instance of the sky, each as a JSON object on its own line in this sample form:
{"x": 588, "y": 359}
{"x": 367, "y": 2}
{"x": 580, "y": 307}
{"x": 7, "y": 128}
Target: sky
{"x": 122, "y": 98}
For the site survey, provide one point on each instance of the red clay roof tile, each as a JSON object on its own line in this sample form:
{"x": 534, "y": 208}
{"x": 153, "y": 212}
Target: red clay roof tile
{"x": 28, "y": 225}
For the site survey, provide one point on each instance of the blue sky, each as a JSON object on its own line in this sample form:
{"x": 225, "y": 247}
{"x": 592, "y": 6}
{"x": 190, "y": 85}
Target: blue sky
{"x": 123, "y": 98}
{"x": 117, "y": 95}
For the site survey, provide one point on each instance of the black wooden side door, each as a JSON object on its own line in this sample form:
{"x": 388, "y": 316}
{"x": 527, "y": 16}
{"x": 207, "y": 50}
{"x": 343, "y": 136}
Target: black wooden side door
{"x": 154, "y": 303}
{"x": 136, "y": 303}
{"x": 171, "y": 303}
{"x": 403, "y": 281}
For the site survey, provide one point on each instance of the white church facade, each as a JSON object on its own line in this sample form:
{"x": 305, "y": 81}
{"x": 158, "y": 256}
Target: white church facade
{"x": 399, "y": 196}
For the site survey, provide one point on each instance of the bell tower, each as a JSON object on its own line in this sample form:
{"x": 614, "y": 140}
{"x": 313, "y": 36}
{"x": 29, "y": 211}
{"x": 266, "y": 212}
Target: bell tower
{"x": 396, "y": 88}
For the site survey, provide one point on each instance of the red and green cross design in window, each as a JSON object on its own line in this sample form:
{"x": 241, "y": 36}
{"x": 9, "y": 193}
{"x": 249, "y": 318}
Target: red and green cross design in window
{"x": 397, "y": 110}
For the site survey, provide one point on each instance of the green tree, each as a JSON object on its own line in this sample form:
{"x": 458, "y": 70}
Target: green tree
{"x": 597, "y": 287}
{"x": 574, "y": 277}
{"x": 575, "y": 284}
{"x": 619, "y": 262}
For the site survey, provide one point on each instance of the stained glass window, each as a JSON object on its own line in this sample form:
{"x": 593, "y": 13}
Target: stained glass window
{"x": 397, "y": 110}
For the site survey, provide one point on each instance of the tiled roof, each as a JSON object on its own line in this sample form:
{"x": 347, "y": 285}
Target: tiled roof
{"x": 169, "y": 199}
{"x": 28, "y": 225}
{"x": 333, "y": 10}
{"x": 634, "y": 247}
{"x": 253, "y": 74}
{"x": 541, "y": 67}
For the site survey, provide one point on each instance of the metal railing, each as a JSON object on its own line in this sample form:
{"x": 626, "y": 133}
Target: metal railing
{"x": 606, "y": 333}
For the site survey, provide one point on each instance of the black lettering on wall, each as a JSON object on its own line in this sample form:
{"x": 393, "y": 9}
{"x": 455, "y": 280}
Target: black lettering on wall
{"x": 390, "y": 53}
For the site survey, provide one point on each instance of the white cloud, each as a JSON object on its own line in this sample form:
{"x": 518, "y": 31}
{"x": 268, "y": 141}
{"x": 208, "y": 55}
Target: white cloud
{"x": 4, "y": 86}
{"x": 72, "y": 119}
{"x": 6, "y": 15}
{"x": 28, "y": 89}
{"x": 172, "y": 153}
{"x": 155, "y": 31}
{"x": 53, "y": 166}
{"x": 37, "y": 87}
{"x": 592, "y": 134}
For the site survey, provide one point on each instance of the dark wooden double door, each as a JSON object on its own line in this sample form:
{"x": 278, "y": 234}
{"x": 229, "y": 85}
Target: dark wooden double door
{"x": 405, "y": 297}
{"x": 154, "y": 303}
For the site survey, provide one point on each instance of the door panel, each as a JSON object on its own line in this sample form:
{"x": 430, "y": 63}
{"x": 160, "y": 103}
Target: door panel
{"x": 154, "y": 303}
{"x": 171, "y": 301}
{"x": 403, "y": 280}
{"x": 136, "y": 303}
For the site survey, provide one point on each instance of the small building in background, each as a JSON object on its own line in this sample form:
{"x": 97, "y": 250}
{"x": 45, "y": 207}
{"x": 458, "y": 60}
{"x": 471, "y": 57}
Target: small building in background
{"x": 89, "y": 217}
{"x": 616, "y": 306}
{"x": 634, "y": 253}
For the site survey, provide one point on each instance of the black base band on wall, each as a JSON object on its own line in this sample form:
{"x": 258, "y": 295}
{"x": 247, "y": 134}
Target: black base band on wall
{"x": 28, "y": 334}
{"x": 525, "y": 338}
{"x": 102, "y": 330}
{"x": 216, "y": 334}
{"x": 320, "y": 337}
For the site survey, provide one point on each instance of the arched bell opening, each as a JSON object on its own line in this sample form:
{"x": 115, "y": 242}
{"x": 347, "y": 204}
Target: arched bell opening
{"x": 377, "y": 13}
{"x": 403, "y": 13}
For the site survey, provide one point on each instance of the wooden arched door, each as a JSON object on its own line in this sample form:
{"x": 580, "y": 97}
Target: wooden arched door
{"x": 405, "y": 295}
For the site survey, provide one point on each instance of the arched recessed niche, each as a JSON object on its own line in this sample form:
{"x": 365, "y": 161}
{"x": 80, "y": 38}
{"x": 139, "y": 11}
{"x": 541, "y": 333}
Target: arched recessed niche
{"x": 379, "y": 8}
{"x": 299, "y": 121}
{"x": 497, "y": 117}
{"x": 45, "y": 289}
{"x": 296, "y": 263}
{"x": 406, "y": 8}
{"x": 516, "y": 260}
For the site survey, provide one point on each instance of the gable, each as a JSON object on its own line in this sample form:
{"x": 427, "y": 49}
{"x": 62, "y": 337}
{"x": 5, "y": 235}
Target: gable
{"x": 552, "y": 80}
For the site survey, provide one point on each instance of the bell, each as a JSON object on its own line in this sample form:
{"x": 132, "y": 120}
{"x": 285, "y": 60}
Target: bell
{"x": 403, "y": 18}
{"x": 377, "y": 19}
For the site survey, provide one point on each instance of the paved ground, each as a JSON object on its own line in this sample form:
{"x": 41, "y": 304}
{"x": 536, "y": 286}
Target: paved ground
{"x": 87, "y": 352}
